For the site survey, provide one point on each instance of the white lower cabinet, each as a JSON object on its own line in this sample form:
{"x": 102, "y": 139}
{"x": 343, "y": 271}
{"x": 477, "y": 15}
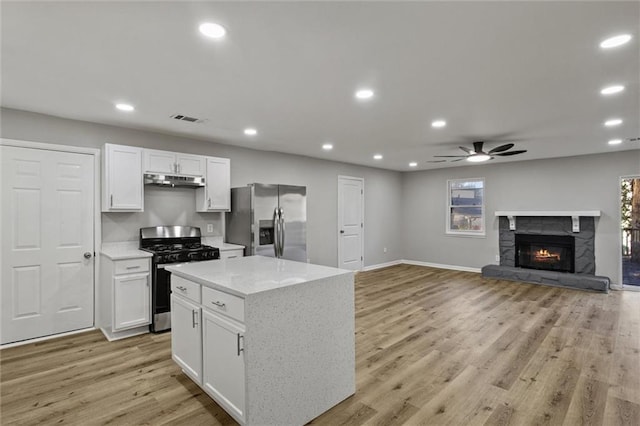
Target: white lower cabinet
{"x": 186, "y": 337}
{"x": 131, "y": 301}
{"x": 124, "y": 307}
{"x": 223, "y": 362}
{"x": 207, "y": 342}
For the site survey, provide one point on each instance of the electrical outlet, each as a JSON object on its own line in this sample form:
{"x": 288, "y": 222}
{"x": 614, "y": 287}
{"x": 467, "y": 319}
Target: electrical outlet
{"x": 384, "y": 250}
{"x": 497, "y": 258}
{"x": 209, "y": 227}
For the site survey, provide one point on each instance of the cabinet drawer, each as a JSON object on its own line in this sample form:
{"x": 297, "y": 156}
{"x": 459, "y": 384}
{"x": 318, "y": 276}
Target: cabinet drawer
{"x": 230, "y": 254}
{"x": 131, "y": 266}
{"x": 224, "y": 303}
{"x": 185, "y": 288}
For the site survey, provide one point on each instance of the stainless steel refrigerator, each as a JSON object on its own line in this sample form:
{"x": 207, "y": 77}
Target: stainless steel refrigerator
{"x": 269, "y": 220}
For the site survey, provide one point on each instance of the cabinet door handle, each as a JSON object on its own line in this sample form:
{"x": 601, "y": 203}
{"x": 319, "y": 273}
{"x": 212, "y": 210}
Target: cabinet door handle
{"x": 182, "y": 289}
{"x": 238, "y": 341}
{"x": 219, "y": 304}
{"x": 209, "y": 202}
{"x": 194, "y": 318}
{"x": 111, "y": 200}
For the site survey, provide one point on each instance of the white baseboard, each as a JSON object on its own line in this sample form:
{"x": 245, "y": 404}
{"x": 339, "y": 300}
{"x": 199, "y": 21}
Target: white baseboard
{"x": 442, "y": 266}
{"x": 419, "y": 263}
{"x": 381, "y": 265}
{"x": 42, "y": 339}
{"x": 117, "y": 335}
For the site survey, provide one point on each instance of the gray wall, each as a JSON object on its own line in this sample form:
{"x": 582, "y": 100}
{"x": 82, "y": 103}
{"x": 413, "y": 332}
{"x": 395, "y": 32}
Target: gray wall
{"x": 575, "y": 183}
{"x": 404, "y": 212}
{"x": 170, "y": 206}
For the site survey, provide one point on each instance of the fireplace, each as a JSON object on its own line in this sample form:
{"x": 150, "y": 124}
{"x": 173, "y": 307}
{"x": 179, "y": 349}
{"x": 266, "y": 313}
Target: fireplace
{"x": 548, "y": 252}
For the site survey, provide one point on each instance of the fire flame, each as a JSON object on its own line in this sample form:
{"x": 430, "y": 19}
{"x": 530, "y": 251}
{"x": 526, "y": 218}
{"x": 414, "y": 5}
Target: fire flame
{"x": 544, "y": 254}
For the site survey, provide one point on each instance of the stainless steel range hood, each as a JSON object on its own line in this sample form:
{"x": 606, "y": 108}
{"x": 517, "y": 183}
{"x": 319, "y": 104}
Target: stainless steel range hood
{"x": 172, "y": 181}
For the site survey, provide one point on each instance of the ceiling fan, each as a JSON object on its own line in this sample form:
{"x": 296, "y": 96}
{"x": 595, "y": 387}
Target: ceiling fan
{"x": 477, "y": 155}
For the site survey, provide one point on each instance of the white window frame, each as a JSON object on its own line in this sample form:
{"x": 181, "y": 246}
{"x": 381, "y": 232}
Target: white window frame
{"x": 466, "y": 233}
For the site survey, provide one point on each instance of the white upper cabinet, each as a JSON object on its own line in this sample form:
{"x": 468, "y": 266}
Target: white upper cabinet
{"x": 159, "y": 161}
{"x": 216, "y": 195}
{"x": 122, "y": 188}
{"x": 156, "y": 161}
{"x": 191, "y": 165}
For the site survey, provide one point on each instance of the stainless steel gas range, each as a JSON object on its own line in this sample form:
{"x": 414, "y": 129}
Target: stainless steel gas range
{"x": 170, "y": 245}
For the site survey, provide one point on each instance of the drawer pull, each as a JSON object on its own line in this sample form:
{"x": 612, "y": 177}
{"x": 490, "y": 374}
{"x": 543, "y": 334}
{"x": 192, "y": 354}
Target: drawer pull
{"x": 238, "y": 341}
{"x": 231, "y": 257}
{"x": 219, "y": 304}
{"x": 182, "y": 289}
{"x": 133, "y": 267}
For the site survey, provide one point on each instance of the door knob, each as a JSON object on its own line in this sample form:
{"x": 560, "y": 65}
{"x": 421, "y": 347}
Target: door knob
{"x": 87, "y": 255}
{"x": 342, "y": 231}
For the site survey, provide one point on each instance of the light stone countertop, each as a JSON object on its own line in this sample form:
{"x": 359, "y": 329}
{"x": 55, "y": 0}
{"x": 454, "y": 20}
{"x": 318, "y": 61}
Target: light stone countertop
{"x": 245, "y": 276}
{"x": 123, "y": 250}
{"x": 220, "y": 244}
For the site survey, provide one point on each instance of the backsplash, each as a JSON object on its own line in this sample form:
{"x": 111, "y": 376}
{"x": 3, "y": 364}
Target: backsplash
{"x": 162, "y": 206}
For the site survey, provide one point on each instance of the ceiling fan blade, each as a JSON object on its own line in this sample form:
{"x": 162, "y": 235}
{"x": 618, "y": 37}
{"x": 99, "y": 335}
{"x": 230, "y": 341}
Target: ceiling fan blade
{"x": 457, "y": 159}
{"x": 504, "y": 154}
{"x": 438, "y": 161}
{"x": 451, "y": 156}
{"x": 467, "y": 150}
{"x": 477, "y": 147}
{"x": 501, "y": 148}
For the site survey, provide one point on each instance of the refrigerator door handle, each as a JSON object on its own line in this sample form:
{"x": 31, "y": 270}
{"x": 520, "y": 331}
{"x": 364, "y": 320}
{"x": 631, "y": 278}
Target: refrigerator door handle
{"x": 282, "y": 233}
{"x": 276, "y": 228}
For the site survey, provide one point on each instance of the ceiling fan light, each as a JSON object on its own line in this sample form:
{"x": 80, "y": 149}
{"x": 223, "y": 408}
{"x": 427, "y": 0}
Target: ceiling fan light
{"x": 478, "y": 158}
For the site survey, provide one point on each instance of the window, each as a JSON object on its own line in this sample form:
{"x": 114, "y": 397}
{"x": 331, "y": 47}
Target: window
{"x": 465, "y": 207}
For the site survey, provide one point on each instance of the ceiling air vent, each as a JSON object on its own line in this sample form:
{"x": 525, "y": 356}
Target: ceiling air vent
{"x": 183, "y": 117}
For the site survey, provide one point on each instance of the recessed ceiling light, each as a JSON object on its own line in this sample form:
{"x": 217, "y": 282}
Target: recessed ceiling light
{"x": 250, "y": 132}
{"x": 613, "y": 122}
{"x": 125, "y": 107}
{"x": 612, "y": 89}
{"x": 438, "y": 123}
{"x": 212, "y": 30}
{"x": 615, "y": 142}
{"x": 327, "y": 147}
{"x": 377, "y": 157}
{"x": 615, "y": 41}
{"x": 478, "y": 158}
{"x": 413, "y": 164}
{"x": 364, "y": 94}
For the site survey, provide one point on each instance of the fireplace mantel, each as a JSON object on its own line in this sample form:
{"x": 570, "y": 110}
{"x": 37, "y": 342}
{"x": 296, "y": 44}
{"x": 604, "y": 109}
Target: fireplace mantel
{"x": 574, "y": 214}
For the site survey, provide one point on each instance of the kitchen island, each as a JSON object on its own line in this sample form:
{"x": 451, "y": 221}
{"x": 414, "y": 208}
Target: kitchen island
{"x": 270, "y": 340}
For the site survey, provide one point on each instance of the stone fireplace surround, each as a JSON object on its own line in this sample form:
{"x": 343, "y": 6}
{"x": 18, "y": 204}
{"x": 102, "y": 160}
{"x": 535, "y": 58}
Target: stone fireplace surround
{"x": 584, "y": 277}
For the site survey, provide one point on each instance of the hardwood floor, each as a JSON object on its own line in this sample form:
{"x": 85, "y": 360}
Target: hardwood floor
{"x": 432, "y": 347}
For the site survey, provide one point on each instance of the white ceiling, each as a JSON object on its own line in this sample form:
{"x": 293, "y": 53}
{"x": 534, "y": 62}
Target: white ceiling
{"x": 495, "y": 71}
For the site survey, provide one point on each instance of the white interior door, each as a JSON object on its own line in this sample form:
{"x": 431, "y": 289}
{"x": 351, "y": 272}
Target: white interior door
{"x": 47, "y": 229}
{"x": 350, "y": 222}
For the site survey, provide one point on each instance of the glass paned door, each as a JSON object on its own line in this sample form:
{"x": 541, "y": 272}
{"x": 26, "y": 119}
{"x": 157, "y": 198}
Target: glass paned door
{"x": 630, "y": 226}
